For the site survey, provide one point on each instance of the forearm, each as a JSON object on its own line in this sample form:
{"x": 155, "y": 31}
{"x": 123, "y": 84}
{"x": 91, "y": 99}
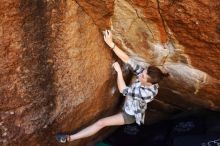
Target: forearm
{"x": 121, "y": 54}
{"x": 120, "y": 82}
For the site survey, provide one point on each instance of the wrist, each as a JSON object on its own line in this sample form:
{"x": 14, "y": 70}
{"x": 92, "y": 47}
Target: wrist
{"x": 112, "y": 45}
{"x": 119, "y": 72}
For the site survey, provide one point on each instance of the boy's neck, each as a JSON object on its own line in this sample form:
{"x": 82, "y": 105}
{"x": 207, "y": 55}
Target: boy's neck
{"x": 147, "y": 84}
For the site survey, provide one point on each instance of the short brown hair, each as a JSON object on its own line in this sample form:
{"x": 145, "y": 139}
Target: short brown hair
{"x": 156, "y": 75}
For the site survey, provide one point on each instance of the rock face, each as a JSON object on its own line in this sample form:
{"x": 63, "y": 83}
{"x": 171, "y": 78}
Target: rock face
{"x": 56, "y": 70}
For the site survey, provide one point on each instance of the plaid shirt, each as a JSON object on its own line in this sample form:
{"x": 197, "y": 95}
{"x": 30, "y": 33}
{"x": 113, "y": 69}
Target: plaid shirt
{"x": 137, "y": 95}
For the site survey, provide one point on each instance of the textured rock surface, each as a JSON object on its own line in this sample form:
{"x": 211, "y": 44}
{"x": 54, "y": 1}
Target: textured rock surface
{"x": 56, "y": 71}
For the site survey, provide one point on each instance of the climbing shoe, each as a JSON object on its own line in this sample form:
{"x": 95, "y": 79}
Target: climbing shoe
{"x": 62, "y": 138}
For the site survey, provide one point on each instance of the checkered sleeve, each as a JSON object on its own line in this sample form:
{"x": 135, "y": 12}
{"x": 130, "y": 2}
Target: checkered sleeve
{"x": 135, "y": 67}
{"x": 127, "y": 91}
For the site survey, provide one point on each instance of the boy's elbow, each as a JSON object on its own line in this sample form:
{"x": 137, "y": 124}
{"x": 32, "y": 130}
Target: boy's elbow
{"x": 126, "y": 59}
{"x": 121, "y": 90}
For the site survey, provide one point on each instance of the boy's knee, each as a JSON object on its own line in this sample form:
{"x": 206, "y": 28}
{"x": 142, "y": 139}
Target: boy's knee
{"x": 101, "y": 123}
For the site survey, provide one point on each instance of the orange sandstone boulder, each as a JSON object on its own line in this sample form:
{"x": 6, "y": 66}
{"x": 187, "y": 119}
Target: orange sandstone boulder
{"x": 56, "y": 72}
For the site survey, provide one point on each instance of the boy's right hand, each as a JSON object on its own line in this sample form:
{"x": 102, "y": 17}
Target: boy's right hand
{"x": 116, "y": 67}
{"x": 108, "y": 38}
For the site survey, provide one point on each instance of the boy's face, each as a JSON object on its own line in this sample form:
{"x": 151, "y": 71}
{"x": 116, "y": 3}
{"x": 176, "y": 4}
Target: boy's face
{"x": 143, "y": 77}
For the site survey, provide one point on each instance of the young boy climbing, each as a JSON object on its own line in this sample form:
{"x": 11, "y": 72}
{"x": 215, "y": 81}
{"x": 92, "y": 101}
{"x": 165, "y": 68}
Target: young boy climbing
{"x": 142, "y": 91}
